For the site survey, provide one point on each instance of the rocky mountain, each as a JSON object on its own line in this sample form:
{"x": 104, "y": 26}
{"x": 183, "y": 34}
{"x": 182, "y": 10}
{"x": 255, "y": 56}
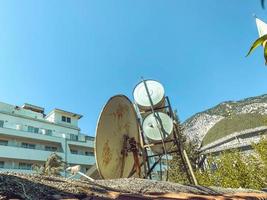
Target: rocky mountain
{"x": 197, "y": 126}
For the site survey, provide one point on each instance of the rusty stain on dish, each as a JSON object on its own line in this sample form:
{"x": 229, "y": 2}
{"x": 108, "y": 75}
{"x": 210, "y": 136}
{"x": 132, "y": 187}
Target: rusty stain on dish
{"x": 119, "y": 116}
{"x": 106, "y": 154}
{"x": 120, "y": 111}
{"x": 127, "y": 127}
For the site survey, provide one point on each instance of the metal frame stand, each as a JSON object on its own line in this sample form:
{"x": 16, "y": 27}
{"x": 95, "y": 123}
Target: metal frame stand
{"x": 175, "y": 140}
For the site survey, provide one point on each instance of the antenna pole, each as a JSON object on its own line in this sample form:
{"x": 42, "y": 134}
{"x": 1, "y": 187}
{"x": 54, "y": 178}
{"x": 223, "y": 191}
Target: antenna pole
{"x": 177, "y": 140}
{"x": 190, "y": 168}
{"x": 144, "y": 152}
{"x": 154, "y": 165}
{"x": 159, "y": 124}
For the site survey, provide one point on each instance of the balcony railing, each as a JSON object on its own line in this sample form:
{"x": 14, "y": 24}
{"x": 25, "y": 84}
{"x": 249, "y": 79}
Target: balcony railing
{"x": 25, "y": 147}
{"x": 36, "y": 147}
{"x": 15, "y": 168}
{"x": 42, "y": 131}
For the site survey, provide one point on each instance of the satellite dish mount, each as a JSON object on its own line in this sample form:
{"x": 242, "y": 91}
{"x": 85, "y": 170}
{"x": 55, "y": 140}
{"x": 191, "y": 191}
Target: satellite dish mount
{"x": 159, "y": 128}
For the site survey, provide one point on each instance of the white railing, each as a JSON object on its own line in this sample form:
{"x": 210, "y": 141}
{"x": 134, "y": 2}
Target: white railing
{"x": 37, "y": 147}
{"x": 19, "y": 127}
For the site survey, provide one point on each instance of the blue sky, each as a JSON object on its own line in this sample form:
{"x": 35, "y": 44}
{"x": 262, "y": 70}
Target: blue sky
{"x": 74, "y": 55}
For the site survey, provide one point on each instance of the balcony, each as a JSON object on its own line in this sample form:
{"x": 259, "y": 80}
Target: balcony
{"x": 42, "y": 155}
{"x": 80, "y": 159}
{"x": 45, "y": 134}
{"x": 87, "y": 143}
{"x": 16, "y": 170}
{"x": 21, "y": 153}
{"x": 26, "y": 134}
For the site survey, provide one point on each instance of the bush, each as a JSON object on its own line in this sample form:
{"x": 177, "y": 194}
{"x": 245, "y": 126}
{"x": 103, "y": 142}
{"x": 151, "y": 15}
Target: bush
{"x": 232, "y": 169}
{"x": 54, "y": 165}
{"x": 261, "y": 150}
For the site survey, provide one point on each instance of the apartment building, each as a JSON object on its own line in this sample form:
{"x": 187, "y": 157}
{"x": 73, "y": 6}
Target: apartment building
{"x": 29, "y": 136}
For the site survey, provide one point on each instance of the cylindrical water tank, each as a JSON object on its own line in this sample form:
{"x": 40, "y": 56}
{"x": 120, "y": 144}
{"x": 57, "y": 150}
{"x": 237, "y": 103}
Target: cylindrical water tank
{"x": 156, "y": 92}
{"x": 157, "y": 127}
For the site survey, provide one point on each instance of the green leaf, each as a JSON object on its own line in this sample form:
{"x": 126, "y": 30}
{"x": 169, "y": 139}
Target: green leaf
{"x": 265, "y": 54}
{"x": 257, "y": 43}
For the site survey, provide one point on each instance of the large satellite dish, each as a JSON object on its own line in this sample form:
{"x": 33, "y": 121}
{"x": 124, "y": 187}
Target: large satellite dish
{"x": 116, "y": 125}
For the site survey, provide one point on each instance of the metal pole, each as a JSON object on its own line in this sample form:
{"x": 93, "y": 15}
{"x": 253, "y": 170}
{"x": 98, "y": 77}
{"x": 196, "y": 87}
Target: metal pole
{"x": 66, "y": 155}
{"x": 88, "y": 177}
{"x": 154, "y": 165}
{"x": 179, "y": 145}
{"x": 144, "y": 152}
{"x": 190, "y": 168}
{"x": 158, "y": 124}
{"x": 160, "y": 167}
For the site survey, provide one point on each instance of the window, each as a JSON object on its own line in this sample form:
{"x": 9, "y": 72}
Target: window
{"x": 68, "y": 120}
{"x": 89, "y": 138}
{"x": 48, "y": 132}
{"x": 1, "y": 123}
{"x": 33, "y": 129}
{"x": 88, "y": 153}
{"x": 4, "y": 142}
{"x": 50, "y": 148}
{"x": 74, "y": 151}
{"x": 74, "y": 137}
{"x": 27, "y": 145}
{"x": 31, "y": 146}
{"x": 30, "y": 129}
{"x": 2, "y": 164}
{"x": 27, "y": 166}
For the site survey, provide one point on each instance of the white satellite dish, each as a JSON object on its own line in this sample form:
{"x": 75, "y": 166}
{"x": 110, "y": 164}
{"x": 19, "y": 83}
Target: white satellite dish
{"x": 117, "y": 127}
{"x": 156, "y": 93}
{"x": 156, "y": 128}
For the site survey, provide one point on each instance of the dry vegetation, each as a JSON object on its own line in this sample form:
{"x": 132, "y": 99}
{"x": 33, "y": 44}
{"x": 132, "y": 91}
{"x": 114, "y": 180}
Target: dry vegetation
{"x": 21, "y": 186}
